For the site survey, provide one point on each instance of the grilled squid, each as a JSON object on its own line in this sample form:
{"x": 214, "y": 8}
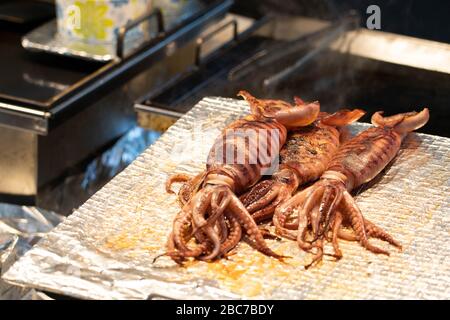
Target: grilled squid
{"x": 303, "y": 158}
{"x": 213, "y": 219}
{"x": 322, "y": 208}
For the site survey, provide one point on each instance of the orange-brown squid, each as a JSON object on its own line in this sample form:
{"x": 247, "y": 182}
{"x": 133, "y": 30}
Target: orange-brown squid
{"x": 212, "y": 214}
{"x": 322, "y": 208}
{"x": 303, "y": 159}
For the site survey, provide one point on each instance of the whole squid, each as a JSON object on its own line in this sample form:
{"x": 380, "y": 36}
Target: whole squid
{"x": 327, "y": 204}
{"x": 212, "y": 214}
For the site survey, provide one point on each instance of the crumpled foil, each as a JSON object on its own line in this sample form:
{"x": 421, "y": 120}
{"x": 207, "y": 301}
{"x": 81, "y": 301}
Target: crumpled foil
{"x": 20, "y": 228}
{"x": 105, "y": 250}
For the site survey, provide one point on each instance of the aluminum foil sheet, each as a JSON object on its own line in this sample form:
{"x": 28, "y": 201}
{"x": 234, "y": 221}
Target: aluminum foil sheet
{"x": 20, "y": 228}
{"x": 105, "y": 250}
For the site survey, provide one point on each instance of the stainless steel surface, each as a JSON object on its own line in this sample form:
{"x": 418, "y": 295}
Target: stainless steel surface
{"x": 84, "y": 78}
{"x": 106, "y": 248}
{"x": 218, "y": 35}
{"x": 18, "y": 171}
{"x": 396, "y": 49}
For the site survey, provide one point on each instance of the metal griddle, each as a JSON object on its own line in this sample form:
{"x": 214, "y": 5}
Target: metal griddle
{"x": 106, "y": 248}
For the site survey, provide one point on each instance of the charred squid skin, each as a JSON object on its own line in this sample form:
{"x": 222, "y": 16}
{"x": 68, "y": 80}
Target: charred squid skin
{"x": 236, "y": 175}
{"x": 256, "y": 198}
{"x": 358, "y": 161}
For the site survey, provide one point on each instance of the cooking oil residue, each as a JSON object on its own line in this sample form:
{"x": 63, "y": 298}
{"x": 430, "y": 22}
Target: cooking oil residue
{"x": 132, "y": 240}
{"x": 239, "y": 272}
{"x": 121, "y": 242}
{"x": 235, "y": 277}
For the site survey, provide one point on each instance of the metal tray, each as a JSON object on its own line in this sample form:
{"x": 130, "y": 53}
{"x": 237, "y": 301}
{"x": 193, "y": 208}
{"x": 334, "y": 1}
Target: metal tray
{"x": 105, "y": 249}
{"x": 46, "y": 38}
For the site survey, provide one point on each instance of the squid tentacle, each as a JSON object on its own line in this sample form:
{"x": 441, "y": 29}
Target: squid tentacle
{"x": 183, "y": 231}
{"x": 311, "y": 202}
{"x": 330, "y": 200}
{"x": 176, "y": 178}
{"x": 251, "y": 228}
{"x": 234, "y": 235}
{"x": 202, "y": 202}
{"x": 372, "y": 231}
{"x": 317, "y": 257}
{"x": 223, "y": 228}
{"x": 217, "y": 207}
{"x": 264, "y": 200}
{"x": 211, "y": 212}
{"x": 267, "y": 212}
{"x": 376, "y": 232}
{"x": 357, "y": 221}
{"x": 335, "y": 233}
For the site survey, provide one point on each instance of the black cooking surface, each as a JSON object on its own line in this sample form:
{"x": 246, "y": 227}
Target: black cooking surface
{"x": 34, "y": 76}
{"x": 26, "y": 12}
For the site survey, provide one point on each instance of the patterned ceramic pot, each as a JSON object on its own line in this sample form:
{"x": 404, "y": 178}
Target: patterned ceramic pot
{"x": 97, "y": 21}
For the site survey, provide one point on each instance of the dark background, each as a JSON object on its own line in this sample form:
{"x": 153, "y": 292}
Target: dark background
{"x": 428, "y": 19}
